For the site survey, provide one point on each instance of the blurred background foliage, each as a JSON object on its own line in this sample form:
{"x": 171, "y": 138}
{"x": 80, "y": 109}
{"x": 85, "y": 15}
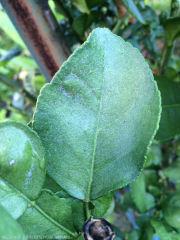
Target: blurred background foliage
{"x": 150, "y": 207}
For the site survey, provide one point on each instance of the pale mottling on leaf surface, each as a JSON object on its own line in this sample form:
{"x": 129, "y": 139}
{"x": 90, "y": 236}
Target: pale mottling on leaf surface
{"x": 98, "y": 116}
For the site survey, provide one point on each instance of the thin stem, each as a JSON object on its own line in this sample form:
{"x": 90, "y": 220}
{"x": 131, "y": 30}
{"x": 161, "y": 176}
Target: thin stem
{"x": 87, "y": 210}
{"x": 119, "y": 23}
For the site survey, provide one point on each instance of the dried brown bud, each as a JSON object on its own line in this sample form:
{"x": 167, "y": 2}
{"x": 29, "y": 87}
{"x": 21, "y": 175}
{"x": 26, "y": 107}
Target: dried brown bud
{"x": 98, "y": 229}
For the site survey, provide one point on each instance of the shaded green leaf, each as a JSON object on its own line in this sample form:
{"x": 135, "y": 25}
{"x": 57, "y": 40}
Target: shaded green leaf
{"x": 100, "y": 207}
{"x": 118, "y": 234}
{"x": 171, "y": 73}
{"x": 142, "y": 221}
{"x": 51, "y": 185}
{"x": 37, "y": 223}
{"x": 146, "y": 230}
{"x": 11, "y": 200}
{"x": 132, "y": 8}
{"x": 59, "y": 209}
{"x": 129, "y": 30}
{"x": 84, "y": 117}
{"x": 154, "y": 155}
{"x": 84, "y": 21}
{"x": 150, "y": 176}
{"x": 172, "y": 29}
{"x": 93, "y": 3}
{"x": 125, "y": 202}
{"x": 163, "y": 16}
{"x": 149, "y": 15}
{"x": 173, "y": 171}
{"x": 150, "y": 44}
{"x": 134, "y": 235}
{"x": 164, "y": 231}
{"x": 9, "y": 227}
{"x": 81, "y": 5}
{"x": 84, "y": 6}
{"x": 171, "y": 210}
{"x": 155, "y": 191}
{"x": 102, "y": 204}
{"x": 169, "y": 124}
{"x": 143, "y": 200}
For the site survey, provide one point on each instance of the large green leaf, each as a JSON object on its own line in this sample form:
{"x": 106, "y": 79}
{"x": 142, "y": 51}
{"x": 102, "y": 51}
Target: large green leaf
{"x": 164, "y": 231}
{"x": 132, "y": 8}
{"x": 143, "y": 200}
{"x": 97, "y": 117}
{"x": 172, "y": 29}
{"x": 9, "y": 227}
{"x": 169, "y": 124}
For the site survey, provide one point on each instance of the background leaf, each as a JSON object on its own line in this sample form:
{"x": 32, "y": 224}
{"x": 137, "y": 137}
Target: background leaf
{"x": 171, "y": 210}
{"x": 100, "y": 207}
{"x": 81, "y": 5}
{"x": 173, "y": 171}
{"x": 22, "y": 175}
{"x": 172, "y": 29}
{"x": 164, "y": 231}
{"x": 84, "y": 21}
{"x": 132, "y": 8}
{"x": 22, "y": 163}
{"x": 36, "y": 224}
{"x": 9, "y": 29}
{"x": 143, "y": 200}
{"x": 57, "y": 208}
{"x": 169, "y": 124}
{"x": 9, "y": 227}
{"x": 84, "y": 117}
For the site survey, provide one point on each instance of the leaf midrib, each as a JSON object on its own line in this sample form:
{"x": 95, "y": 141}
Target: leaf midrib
{"x": 96, "y": 136}
{"x": 39, "y": 209}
